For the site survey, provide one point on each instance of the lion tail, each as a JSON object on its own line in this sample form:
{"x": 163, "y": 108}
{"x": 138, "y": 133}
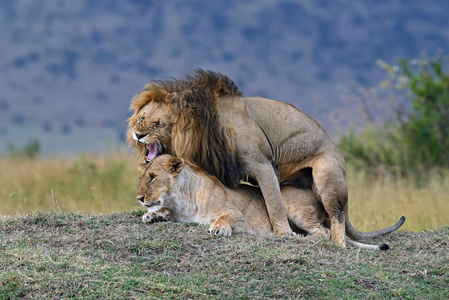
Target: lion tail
{"x": 382, "y": 246}
{"x": 358, "y": 235}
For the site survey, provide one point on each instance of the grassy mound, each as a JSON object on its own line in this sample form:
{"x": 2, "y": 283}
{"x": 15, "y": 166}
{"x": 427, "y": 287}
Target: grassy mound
{"x": 59, "y": 255}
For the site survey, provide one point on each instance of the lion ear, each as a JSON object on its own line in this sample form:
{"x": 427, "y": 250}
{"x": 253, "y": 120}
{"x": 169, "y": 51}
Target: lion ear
{"x": 177, "y": 101}
{"x": 175, "y": 165}
{"x": 171, "y": 98}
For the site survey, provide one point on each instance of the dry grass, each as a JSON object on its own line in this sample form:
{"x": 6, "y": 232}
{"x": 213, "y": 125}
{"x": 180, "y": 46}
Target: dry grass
{"x": 376, "y": 202}
{"x": 91, "y": 184}
{"x": 85, "y": 184}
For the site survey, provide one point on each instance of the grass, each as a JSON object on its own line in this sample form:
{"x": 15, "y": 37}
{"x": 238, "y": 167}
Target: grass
{"x": 378, "y": 201}
{"x": 56, "y": 255}
{"x": 85, "y": 184}
{"x": 108, "y": 184}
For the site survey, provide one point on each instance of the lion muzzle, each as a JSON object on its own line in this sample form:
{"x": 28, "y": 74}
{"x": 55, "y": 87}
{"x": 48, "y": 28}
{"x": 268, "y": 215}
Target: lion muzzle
{"x": 138, "y": 137}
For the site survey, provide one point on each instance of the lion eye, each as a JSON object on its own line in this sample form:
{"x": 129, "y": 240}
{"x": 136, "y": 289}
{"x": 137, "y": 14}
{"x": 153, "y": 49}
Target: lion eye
{"x": 151, "y": 178}
{"x": 157, "y": 123}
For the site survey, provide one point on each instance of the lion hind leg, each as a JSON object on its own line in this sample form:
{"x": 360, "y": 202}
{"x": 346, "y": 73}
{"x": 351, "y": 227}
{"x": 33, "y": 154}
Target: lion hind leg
{"x": 305, "y": 212}
{"x": 313, "y": 228}
{"x": 338, "y": 230}
{"x": 320, "y": 230}
{"x": 329, "y": 186}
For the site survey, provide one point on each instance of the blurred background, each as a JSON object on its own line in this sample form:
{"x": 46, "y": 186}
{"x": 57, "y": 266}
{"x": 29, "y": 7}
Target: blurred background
{"x": 68, "y": 70}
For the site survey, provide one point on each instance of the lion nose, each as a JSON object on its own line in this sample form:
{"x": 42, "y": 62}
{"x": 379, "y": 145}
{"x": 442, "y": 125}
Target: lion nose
{"x": 139, "y": 136}
{"x": 140, "y": 198}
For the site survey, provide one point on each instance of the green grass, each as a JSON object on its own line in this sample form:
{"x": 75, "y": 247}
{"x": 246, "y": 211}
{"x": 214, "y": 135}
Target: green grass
{"x": 64, "y": 255}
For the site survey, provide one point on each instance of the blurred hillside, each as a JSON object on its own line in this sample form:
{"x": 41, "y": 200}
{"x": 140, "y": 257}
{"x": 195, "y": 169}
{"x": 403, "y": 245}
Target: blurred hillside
{"x": 69, "y": 68}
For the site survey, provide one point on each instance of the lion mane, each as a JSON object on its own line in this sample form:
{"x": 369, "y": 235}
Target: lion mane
{"x": 197, "y": 134}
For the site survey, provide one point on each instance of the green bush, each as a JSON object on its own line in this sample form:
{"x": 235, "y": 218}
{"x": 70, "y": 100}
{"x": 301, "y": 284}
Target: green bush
{"x": 31, "y": 150}
{"x": 426, "y": 131}
{"x": 375, "y": 149}
{"x": 414, "y": 143}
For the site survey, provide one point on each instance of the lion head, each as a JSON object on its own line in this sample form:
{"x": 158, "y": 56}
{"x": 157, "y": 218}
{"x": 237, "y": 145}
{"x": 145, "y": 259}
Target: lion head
{"x": 180, "y": 117}
{"x": 156, "y": 181}
{"x": 151, "y": 131}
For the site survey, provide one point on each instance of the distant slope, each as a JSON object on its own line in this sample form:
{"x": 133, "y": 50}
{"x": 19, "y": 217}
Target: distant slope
{"x": 69, "y": 68}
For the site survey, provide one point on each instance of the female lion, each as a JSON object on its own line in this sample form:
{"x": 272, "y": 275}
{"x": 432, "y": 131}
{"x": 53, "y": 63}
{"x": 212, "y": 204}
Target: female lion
{"x": 174, "y": 190}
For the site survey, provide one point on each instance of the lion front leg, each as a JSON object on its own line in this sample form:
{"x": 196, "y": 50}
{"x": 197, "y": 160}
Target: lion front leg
{"x": 270, "y": 187}
{"x": 221, "y": 226}
{"x": 225, "y": 222}
{"x": 162, "y": 215}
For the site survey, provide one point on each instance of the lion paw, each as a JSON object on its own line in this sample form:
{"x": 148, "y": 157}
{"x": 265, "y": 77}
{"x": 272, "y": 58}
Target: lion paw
{"x": 322, "y": 231}
{"x": 155, "y": 217}
{"x": 216, "y": 229}
{"x": 284, "y": 233}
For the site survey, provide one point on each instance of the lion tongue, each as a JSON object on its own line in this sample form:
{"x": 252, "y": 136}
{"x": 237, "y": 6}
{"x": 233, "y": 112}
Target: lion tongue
{"x": 152, "y": 152}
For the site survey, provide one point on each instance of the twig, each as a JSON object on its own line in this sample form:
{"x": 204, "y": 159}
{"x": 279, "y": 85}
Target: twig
{"x": 92, "y": 198}
{"x": 369, "y": 205}
{"x": 55, "y": 202}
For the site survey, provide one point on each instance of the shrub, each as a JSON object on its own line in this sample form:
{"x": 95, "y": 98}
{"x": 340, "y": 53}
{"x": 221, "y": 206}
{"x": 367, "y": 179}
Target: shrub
{"x": 426, "y": 130}
{"x": 417, "y": 140}
{"x": 31, "y": 150}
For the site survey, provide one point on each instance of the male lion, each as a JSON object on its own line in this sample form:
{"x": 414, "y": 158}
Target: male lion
{"x": 172, "y": 189}
{"x": 204, "y": 119}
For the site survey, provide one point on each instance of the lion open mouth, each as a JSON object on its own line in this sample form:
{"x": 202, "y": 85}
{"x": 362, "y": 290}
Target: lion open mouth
{"x": 152, "y": 152}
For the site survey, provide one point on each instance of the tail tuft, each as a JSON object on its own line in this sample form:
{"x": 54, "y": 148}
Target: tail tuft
{"x": 384, "y": 247}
